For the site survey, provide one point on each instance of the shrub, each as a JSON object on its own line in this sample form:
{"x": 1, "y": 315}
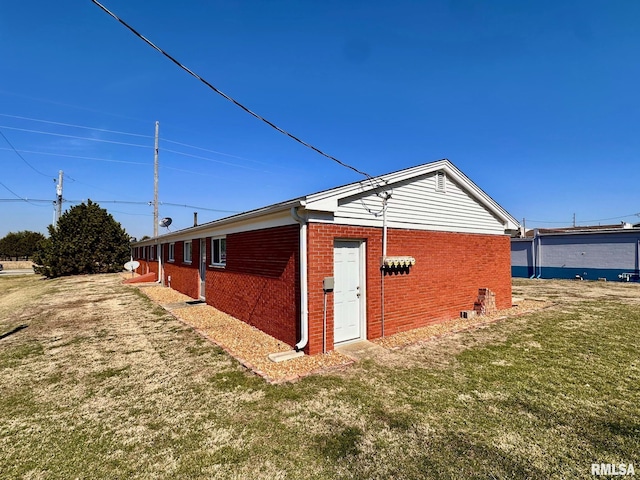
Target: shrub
{"x": 86, "y": 240}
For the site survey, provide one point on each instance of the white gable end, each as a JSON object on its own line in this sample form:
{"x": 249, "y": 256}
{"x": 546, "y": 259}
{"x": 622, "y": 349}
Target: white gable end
{"x": 421, "y": 203}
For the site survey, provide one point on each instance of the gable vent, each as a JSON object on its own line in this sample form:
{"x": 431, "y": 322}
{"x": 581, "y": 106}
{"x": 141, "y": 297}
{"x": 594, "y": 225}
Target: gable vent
{"x": 440, "y": 182}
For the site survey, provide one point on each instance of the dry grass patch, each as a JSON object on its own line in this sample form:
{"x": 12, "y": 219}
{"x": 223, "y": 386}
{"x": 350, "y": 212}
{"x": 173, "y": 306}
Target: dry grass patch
{"x": 429, "y": 332}
{"x": 16, "y": 265}
{"x": 246, "y": 343}
{"x": 115, "y": 387}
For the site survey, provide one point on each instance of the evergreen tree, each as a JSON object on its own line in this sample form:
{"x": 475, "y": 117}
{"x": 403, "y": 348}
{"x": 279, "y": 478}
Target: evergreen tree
{"x": 20, "y": 244}
{"x": 86, "y": 240}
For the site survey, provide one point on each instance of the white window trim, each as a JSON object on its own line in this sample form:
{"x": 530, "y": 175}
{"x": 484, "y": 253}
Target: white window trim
{"x": 218, "y": 264}
{"x": 184, "y": 251}
{"x": 172, "y": 252}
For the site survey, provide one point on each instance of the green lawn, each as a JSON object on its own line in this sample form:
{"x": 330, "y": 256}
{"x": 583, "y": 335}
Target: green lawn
{"x": 99, "y": 383}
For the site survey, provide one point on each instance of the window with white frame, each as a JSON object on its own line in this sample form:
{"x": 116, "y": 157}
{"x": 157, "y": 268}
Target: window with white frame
{"x": 219, "y": 251}
{"x": 152, "y": 251}
{"x": 187, "y": 252}
{"x": 172, "y": 252}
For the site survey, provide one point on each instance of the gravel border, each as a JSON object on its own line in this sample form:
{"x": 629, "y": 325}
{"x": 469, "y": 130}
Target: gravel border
{"x": 430, "y": 332}
{"x": 251, "y": 347}
{"x": 247, "y": 344}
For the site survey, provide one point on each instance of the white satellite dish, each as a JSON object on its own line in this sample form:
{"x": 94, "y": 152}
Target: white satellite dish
{"x": 165, "y": 222}
{"x": 131, "y": 265}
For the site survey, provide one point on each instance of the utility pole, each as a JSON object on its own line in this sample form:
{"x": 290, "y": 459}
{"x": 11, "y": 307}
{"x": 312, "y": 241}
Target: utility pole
{"x": 155, "y": 183}
{"x": 59, "y": 197}
{"x": 574, "y": 220}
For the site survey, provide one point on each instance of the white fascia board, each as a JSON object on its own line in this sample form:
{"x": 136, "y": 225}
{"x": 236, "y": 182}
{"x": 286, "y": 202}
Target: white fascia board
{"x": 327, "y": 204}
{"x": 328, "y": 200}
{"x": 269, "y": 217}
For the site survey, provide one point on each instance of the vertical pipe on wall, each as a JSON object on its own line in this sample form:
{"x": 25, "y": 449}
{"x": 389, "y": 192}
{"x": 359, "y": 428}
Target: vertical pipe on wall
{"x": 324, "y": 324}
{"x": 160, "y": 265}
{"x": 534, "y": 253}
{"x": 539, "y": 255}
{"x": 304, "y": 313}
{"x": 385, "y": 200}
{"x": 384, "y": 226}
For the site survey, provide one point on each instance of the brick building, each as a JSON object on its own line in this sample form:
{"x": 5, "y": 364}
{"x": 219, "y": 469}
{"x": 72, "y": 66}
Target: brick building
{"x": 359, "y": 261}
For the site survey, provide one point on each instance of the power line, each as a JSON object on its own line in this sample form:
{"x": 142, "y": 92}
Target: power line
{"x": 75, "y": 126}
{"x": 23, "y": 159}
{"x": 612, "y": 218}
{"x": 122, "y": 202}
{"x": 77, "y": 107}
{"x": 209, "y": 159}
{"x": 76, "y": 137}
{"x": 118, "y": 132}
{"x": 227, "y": 97}
{"x": 129, "y": 213}
{"x": 19, "y": 198}
{"x": 81, "y": 157}
{"x": 109, "y": 160}
{"x": 211, "y": 151}
{"x": 120, "y": 143}
{"x": 146, "y": 164}
{"x": 125, "y": 202}
{"x": 199, "y": 208}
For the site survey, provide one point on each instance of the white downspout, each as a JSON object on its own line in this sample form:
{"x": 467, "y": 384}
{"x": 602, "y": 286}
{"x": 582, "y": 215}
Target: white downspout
{"x": 160, "y": 272}
{"x": 385, "y": 201}
{"x": 304, "y": 310}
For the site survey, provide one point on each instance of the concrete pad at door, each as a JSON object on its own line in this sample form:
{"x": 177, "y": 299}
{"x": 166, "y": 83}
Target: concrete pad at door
{"x": 361, "y": 350}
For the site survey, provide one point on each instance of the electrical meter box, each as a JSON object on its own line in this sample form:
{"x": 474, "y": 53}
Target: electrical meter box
{"x": 327, "y": 284}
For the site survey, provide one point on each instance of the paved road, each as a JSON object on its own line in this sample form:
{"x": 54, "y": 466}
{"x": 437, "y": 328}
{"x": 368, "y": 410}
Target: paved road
{"x": 21, "y": 271}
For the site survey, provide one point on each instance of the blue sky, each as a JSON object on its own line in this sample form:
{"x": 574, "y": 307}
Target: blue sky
{"x": 537, "y": 102}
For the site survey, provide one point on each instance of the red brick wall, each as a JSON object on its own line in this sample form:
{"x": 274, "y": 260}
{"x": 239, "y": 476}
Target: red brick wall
{"x": 147, "y": 266}
{"x": 185, "y": 277}
{"x": 260, "y": 283}
{"x": 449, "y": 270}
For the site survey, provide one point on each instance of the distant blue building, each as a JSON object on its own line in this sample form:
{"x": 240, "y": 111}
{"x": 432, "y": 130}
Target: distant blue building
{"x": 589, "y": 254}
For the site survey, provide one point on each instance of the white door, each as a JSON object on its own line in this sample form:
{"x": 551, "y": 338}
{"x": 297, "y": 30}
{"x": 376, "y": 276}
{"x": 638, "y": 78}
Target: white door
{"x": 348, "y": 292}
{"x": 203, "y": 267}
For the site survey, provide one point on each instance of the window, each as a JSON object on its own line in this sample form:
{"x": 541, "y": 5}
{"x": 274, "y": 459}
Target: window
{"x": 172, "y": 252}
{"x": 219, "y": 251}
{"x": 187, "y": 252}
{"x": 152, "y": 251}
{"x": 441, "y": 182}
